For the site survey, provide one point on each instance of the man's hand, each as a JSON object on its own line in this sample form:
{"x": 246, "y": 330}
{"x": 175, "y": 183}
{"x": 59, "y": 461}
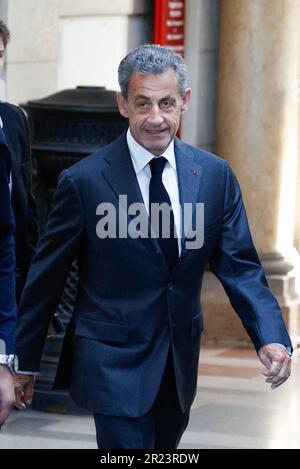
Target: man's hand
{"x": 7, "y": 395}
{"x": 277, "y": 363}
{"x": 24, "y": 385}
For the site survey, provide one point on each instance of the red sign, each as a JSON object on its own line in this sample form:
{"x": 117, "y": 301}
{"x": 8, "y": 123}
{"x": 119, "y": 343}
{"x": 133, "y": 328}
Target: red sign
{"x": 169, "y": 24}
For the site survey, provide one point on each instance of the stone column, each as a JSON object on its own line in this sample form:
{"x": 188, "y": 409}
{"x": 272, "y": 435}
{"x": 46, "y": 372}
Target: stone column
{"x": 297, "y": 215}
{"x": 201, "y": 56}
{"x": 257, "y": 130}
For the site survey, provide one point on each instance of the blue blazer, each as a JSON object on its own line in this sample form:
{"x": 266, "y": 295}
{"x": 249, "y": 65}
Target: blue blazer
{"x": 130, "y": 309}
{"x": 7, "y": 254}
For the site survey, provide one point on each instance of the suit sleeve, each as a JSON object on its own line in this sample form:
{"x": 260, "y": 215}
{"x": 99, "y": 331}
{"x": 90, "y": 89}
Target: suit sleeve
{"x": 47, "y": 275}
{"x": 32, "y": 231}
{"x": 7, "y": 262}
{"x": 236, "y": 264}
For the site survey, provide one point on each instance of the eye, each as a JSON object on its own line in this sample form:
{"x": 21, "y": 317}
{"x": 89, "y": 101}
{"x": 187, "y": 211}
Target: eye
{"x": 167, "y": 103}
{"x": 142, "y": 104}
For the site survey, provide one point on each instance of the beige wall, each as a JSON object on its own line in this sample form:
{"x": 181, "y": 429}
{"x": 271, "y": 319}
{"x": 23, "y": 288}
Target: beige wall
{"x": 80, "y": 42}
{"x": 54, "y": 43}
{"x": 98, "y": 66}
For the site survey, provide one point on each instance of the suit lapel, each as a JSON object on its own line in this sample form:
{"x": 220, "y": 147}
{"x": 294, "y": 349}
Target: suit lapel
{"x": 119, "y": 172}
{"x": 120, "y": 175}
{"x": 189, "y": 173}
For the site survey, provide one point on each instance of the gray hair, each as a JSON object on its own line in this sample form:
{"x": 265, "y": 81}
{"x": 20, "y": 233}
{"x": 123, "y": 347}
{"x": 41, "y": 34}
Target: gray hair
{"x": 4, "y": 33}
{"x": 151, "y": 59}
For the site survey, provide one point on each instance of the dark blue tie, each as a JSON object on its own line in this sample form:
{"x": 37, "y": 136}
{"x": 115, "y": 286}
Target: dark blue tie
{"x": 159, "y": 195}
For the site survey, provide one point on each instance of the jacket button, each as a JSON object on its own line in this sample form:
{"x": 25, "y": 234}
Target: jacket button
{"x": 170, "y": 286}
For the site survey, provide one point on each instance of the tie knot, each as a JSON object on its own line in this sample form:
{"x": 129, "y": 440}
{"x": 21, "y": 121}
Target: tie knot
{"x": 157, "y": 165}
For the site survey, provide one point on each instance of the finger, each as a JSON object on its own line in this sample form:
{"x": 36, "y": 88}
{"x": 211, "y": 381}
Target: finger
{"x": 265, "y": 360}
{"x": 272, "y": 380}
{"x": 267, "y": 373}
{"x": 19, "y": 404}
{"x": 275, "y": 367}
{"x": 28, "y": 392}
{"x": 275, "y": 380}
{"x": 285, "y": 369}
{"x": 283, "y": 372}
{"x": 279, "y": 383}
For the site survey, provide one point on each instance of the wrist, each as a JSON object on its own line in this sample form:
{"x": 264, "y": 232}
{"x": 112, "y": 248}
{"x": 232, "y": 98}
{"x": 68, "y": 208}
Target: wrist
{"x": 5, "y": 372}
{"x": 10, "y": 362}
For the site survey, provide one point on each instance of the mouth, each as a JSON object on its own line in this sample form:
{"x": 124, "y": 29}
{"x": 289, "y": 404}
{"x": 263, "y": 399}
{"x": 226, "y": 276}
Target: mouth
{"x": 156, "y": 131}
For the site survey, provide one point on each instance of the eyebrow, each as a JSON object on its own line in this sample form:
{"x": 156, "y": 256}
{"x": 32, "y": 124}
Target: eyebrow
{"x": 142, "y": 96}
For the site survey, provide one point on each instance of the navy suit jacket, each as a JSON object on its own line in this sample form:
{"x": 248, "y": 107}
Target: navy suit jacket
{"x": 15, "y": 127}
{"x": 130, "y": 309}
{"x": 7, "y": 254}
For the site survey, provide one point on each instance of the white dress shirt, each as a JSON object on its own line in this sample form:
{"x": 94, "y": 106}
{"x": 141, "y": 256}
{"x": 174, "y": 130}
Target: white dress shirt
{"x": 140, "y": 160}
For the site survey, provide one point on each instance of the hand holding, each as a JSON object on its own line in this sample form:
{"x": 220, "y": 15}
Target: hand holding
{"x": 277, "y": 362}
{"x": 24, "y": 385}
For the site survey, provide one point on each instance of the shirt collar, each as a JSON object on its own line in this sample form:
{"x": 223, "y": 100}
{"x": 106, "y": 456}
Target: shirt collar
{"x": 141, "y": 157}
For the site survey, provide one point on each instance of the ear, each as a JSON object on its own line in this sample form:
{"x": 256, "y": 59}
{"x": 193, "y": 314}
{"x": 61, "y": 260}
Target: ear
{"x": 122, "y": 104}
{"x": 186, "y": 100}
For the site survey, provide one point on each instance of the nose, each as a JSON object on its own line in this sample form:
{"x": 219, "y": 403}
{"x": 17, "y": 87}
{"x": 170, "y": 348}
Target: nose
{"x": 155, "y": 117}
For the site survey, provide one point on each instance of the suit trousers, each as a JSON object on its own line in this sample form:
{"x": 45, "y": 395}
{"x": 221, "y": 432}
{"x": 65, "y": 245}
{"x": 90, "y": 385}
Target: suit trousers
{"x": 161, "y": 428}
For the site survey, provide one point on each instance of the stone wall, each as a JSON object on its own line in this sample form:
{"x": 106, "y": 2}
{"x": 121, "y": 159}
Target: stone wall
{"x": 63, "y": 43}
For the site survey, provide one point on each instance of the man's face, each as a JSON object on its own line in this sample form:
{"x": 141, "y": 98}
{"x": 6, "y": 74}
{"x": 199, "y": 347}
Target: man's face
{"x": 2, "y": 53}
{"x": 154, "y": 107}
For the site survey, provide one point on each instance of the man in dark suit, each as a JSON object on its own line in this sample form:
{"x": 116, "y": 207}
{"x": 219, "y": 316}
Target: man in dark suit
{"x": 8, "y": 308}
{"x": 18, "y": 210}
{"x": 137, "y": 322}
{"x": 15, "y": 127}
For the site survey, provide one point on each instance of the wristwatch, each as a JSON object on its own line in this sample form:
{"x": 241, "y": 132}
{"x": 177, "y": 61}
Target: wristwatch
{"x": 11, "y": 361}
